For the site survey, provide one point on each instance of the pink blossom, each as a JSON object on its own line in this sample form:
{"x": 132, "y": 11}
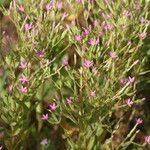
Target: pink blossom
{"x": 78, "y": 37}
{"x": 48, "y": 7}
{"x": 113, "y": 55}
{"x": 108, "y": 27}
{"x": 73, "y": 22}
{"x": 142, "y": 19}
{"x": 87, "y": 63}
{"x": 23, "y": 65}
{"x": 93, "y": 93}
{"x": 103, "y": 23}
{"x": 87, "y": 30}
{"x": 23, "y": 89}
{"x": 53, "y": 106}
{"x": 1, "y": 147}
{"x": 28, "y": 26}
{"x": 138, "y": 121}
{"x": 79, "y": 1}
{"x": 59, "y": 5}
{"x": 45, "y": 117}
{"x": 93, "y": 41}
{"x": 21, "y": 8}
{"x": 107, "y": 16}
{"x": 129, "y": 102}
{"x": 65, "y": 63}
{"x": 123, "y": 81}
{"x": 147, "y": 139}
{"x": 10, "y": 88}
{"x": 69, "y": 100}
{"x": 129, "y": 43}
{"x": 23, "y": 79}
{"x": 65, "y": 14}
{"x": 44, "y": 142}
{"x": 126, "y": 13}
{"x": 40, "y": 53}
{"x": 142, "y": 35}
{"x": 131, "y": 79}
{"x": 95, "y": 23}
{"x": 100, "y": 33}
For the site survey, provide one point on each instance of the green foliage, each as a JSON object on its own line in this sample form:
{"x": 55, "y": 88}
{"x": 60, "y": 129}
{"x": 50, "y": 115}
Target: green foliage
{"x": 79, "y": 78}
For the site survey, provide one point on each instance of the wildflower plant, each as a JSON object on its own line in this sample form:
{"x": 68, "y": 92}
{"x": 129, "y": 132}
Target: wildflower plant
{"x": 76, "y": 64}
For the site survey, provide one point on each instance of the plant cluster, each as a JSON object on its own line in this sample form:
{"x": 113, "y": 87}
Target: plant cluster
{"x": 75, "y": 65}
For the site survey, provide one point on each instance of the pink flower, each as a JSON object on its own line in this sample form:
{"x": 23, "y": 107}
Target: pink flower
{"x": 113, "y": 55}
{"x": 23, "y": 89}
{"x": 40, "y": 53}
{"x": 95, "y": 23}
{"x": 23, "y": 65}
{"x": 93, "y": 93}
{"x": 87, "y": 31}
{"x": 53, "y": 106}
{"x": 45, "y": 117}
{"x": 138, "y": 121}
{"x": 79, "y": 1}
{"x": 78, "y": 37}
{"x": 59, "y": 5}
{"x": 87, "y": 63}
{"x": 10, "y": 88}
{"x": 21, "y": 8}
{"x": 28, "y": 26}
{"x": 100, "y": 33}
{"x": 107, "y": 16}
{"x": 126, "y": 13}
{"x": 65, "y": 14}
{"x": 48, "y": 7}
{"x": 73, "y": 22}
{"x": 23, "y": 79}
{"x": 93, "y": 41}
{"x": 1, "y": 147}
{"x": 69, "y": 100}
{"x": 147, "y": 139}
{"x": 103, "y": 23}
{"x": 108, "y": 27}
{"x": 129, "y": 102}
{"x": 44, "y": 142}
{"x": 131, "y": 80}
{"x": 142, "y": 35}
{"x": 65, "y": 63}
{"x": 123, "y": 81}
{"x": 129, "y": 43}
{"x": 142, "y": 19}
